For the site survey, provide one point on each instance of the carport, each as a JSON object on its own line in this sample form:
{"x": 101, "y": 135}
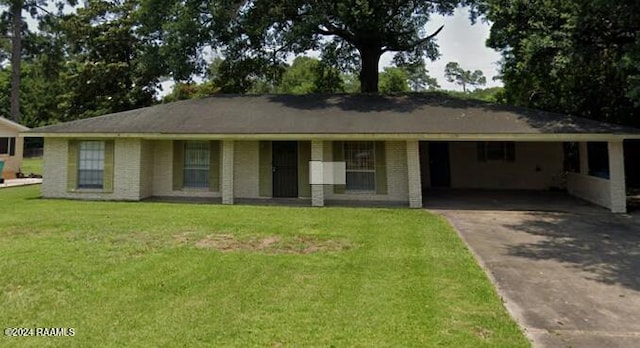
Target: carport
{"x": 587, "y": 162}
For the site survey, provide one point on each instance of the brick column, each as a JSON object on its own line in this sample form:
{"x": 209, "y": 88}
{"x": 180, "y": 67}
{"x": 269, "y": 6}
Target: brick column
{"x": 227, "y": 172}
{"x": 413, "y": 170}
{"x": 616, "y": 177}
{"x": 317, "y": 191}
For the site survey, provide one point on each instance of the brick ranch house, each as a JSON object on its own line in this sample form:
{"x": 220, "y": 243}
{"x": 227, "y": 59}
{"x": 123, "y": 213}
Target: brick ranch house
{"x": 11, "y": 146}
{"x": 323, "y": 149}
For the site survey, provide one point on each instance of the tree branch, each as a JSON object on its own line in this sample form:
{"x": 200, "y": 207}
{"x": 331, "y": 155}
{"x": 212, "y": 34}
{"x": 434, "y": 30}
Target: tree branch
{"x": 42, "y": 8}
{"x": 407, "y": 47}
{"x": 334, "y": 30}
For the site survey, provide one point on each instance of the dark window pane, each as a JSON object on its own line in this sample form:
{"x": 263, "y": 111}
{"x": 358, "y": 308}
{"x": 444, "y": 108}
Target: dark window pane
{"x": 495, "y": 151}
{"x": 598, "y": 156}
{"x": 482, "y": 151}
{"x": 359, "y": 155}
{"x": 196, "y": 164}
{"x": 510, "y": 149}
{"x": 361, "y": 181}
{"x": 88, "y": 178}
{"x": 4, "y": 146}
{"x": 91, "y": 164}
{"x": 12, "y": 146}
{"x": 571, "y": 157}
{"x": 360, "y": 160}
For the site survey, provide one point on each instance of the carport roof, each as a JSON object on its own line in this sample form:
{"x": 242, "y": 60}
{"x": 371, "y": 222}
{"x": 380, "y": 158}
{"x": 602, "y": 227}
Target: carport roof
{"x": 366, "y": 114}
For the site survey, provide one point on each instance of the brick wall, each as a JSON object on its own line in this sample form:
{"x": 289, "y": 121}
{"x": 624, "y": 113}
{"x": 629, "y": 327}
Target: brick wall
{"x": 397, "y": 182}
{"x": 146, "y": 168}
{"x": 246, "y": 169}
{"x": 126, "y": 180}
{"x": 162, "y": 174}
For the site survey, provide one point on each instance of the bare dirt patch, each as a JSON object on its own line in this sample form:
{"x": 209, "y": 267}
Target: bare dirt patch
{"x": 268, "y": 244}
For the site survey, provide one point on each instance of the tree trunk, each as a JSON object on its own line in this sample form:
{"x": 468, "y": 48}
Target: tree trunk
{"x": 369, "y": 58}
{"x": 16, "y": 56}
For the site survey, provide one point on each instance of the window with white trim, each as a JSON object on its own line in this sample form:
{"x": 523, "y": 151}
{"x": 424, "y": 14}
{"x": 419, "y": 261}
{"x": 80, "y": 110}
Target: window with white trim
{"x": 361, "y": 165}
{"x": 196, "y": 164}
{"x": 91, "y": 164}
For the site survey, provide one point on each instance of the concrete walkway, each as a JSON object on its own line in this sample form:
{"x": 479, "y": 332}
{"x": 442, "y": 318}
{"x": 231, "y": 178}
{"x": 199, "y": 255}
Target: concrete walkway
{"x": 20, "y": 182}
{"x": 570, "y": 276}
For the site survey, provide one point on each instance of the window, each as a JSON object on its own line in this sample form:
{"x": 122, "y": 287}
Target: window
{"x": 571, "y": 157}
{"x": 496, "y": 151}
{"x": 8, "y": 146}
{"x": 196, "y": 164}
{"x": 360, "y": 160}
{"x": 91, "y": 164}
{"x": 598, "y": 159}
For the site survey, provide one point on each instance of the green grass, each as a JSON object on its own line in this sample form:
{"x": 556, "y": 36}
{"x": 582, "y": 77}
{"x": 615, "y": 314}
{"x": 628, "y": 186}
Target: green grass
{"x": 31, "y": 165}
{"x": 133, "y": 275}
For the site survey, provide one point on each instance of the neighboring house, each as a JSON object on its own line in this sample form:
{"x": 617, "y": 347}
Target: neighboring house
{"x": 328, "y": 148}
{"x": 11, "y": 147}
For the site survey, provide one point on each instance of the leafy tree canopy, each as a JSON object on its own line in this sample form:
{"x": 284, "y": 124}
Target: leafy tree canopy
{"x": 453, "y": 72}
{"x": 310, "y": 75}
{"x": 418, "y": 76}
{"x": 258, "y": 35}
{"x": 570, "y": 56}
{"x": 394, "y": 80}
{"x": 106, "y": 70}
{"x": 182, "y": 91}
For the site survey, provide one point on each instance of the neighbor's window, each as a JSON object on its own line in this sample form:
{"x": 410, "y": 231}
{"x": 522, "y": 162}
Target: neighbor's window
{"x": 360, "y": 160}
{"x": 91, "y": 164}
{"x": 8, "y": 146}
{"x": 196, "y": 164}
{"x": 496, "y": 151}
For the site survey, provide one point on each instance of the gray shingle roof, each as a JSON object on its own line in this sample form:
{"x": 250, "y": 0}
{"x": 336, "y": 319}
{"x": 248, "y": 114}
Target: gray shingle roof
{"x": 334, "y": 114}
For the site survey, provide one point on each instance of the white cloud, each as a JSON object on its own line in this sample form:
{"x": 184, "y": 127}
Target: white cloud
{"x": 460, "y": 42}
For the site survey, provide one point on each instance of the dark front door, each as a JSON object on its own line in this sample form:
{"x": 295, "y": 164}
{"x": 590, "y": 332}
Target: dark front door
{"x": 285, "y": 168}
{"x": 439, "y": 164}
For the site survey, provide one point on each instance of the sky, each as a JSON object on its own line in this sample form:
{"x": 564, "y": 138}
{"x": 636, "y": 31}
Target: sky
{"x": 460, "y": 42}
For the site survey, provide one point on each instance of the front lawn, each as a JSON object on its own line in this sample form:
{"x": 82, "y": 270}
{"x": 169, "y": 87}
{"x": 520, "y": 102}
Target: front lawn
{"x": 31, "y": 165}
{"x": 166, "y": 274}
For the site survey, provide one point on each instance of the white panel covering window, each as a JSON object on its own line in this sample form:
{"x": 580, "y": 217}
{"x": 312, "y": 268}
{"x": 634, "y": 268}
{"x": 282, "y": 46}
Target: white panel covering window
{"x": 360, "y": 160}
{"x": 91, "y": 164}
{"x": 196, "y": 164}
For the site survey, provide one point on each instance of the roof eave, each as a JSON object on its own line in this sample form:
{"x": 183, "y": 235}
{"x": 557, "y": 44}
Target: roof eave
{"x": 341, "y": 136}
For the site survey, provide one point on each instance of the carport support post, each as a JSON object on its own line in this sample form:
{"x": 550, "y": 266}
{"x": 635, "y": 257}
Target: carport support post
{"x": 413, "y": 171}
{"x": 618, "y": 190}
{"x": 317, "y": 191}
{"x": 227, "y": 172}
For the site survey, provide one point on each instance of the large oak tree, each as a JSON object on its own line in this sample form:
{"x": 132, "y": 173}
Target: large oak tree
{"x": 256, "y": 34}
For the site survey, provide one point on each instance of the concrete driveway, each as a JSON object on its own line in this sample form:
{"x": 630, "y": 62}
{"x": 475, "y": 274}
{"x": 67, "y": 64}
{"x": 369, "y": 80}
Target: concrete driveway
{"x": 569, "y": 272}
